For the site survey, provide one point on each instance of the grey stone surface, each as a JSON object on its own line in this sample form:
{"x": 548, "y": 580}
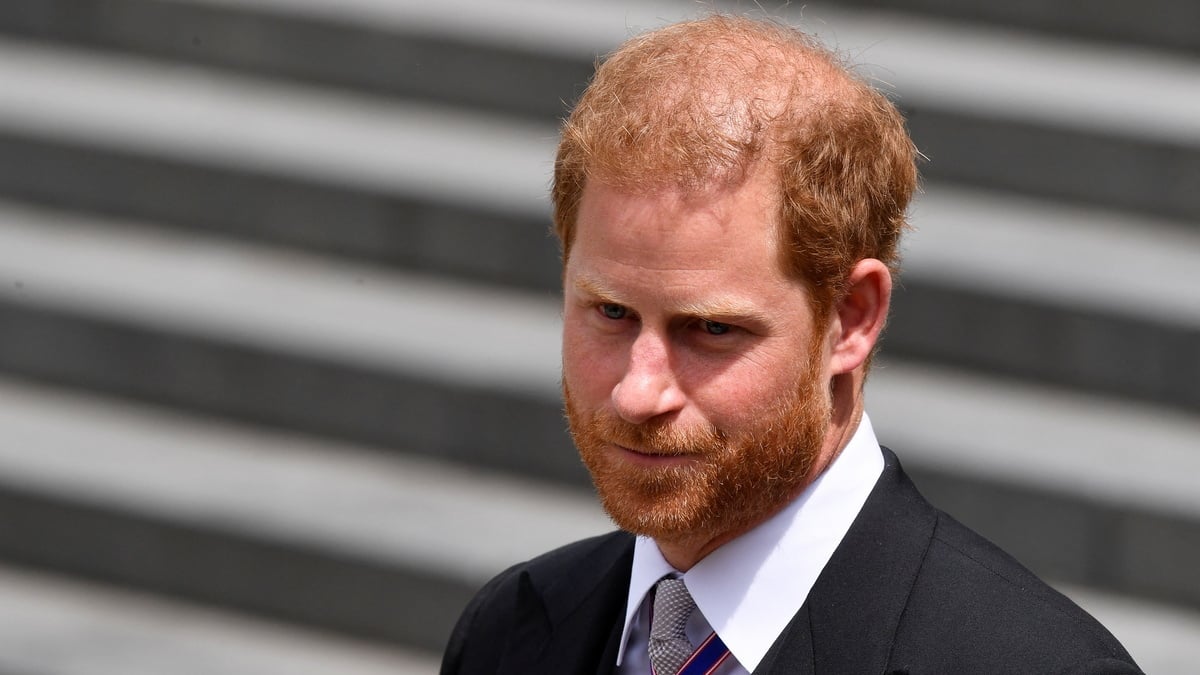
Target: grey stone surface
{"x": 305, "y": 133}
{"x": 393, "y": 58}
{"x": 1079, "y": 487}
{"x": 991, "y": 328}
{"x": 475, "y": 424}
{"x": 1098, "y": 448}
{"x": 1014, "y": 336}
{"x": 336, "y": 536}
{"x": 452, "y": 193}
{"x": 979, "y": 110}
{"x": 392, "y": 325}
{"x": 240, "y": 511}
{"x": 1094, "y": 260}
{"x": 53, "y": 625}
{"x": 1158, "y": 24}
{"x": 290, "y": 163}
{"x": 407, "y": 230}
{"x": 1159, "y": 557}
{"x": 1161, "y": 638}
{"x": 1060, "y": 162}
{"x": 471, "y": 376}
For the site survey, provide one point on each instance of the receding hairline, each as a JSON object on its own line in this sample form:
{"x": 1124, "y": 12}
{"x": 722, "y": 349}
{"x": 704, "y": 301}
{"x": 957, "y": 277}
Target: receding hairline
{"x": 759, "y": 82}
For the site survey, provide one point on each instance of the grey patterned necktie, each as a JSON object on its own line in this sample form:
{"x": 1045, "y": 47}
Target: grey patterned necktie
{"x": 669, "y": 646}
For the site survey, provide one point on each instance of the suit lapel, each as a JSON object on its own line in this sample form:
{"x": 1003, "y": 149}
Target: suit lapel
{"x": 571, "y": 613}
{"x": 792, "y": 652}
{"x": 848, "y": 623}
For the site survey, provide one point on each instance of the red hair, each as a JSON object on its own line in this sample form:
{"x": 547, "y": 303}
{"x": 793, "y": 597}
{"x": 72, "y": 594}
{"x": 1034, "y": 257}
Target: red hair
{"x": 700, "y": 104}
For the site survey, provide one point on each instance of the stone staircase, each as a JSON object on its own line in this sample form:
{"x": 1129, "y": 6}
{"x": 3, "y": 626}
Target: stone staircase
{"x": 278, "y": 316}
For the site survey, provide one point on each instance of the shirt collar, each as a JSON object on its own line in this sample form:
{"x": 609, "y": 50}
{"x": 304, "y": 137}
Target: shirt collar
{"x": 750, "y": 588}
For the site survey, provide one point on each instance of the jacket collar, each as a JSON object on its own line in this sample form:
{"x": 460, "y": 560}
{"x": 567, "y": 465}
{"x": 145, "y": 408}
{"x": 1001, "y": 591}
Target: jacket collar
{"x": 570, "y": 609}
{"x": 849, "y": 621}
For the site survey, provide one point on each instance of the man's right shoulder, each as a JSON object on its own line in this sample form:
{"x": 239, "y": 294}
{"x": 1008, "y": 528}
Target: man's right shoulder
{"x": 528, "y": 595}
{"x": 577, "y": 555}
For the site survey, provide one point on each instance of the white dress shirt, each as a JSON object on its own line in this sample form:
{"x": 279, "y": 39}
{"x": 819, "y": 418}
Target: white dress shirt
{"x": 749, "y": 589}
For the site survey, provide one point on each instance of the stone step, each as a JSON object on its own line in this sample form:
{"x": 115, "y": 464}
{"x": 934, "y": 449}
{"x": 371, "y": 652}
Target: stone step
{"x": 442, "y": 190}
{"x": 401, "y": 47}
{"x": 1072, "y": 296}
{"x": 470, "y": 375}
{"x": 1080, "y": 487}
{"x": 394, "y": 182}
{"x": 1157, "y": 24}
{"x": 1052, "y": 118}
{"x": 376, "y": 545}
{"x": 54, "y": 625}
{"x": 1161, "y": 638}
{"x": 339, "y": 538}
{"x": 291, "y": 340}
{"x": 414, "y": 366}
{"x": 1109, "y": 125}
{"x": 1069, "y": 296}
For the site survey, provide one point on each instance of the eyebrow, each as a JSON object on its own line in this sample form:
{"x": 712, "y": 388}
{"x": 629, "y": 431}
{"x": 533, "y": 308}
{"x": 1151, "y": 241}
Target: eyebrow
{"x": 596, "y": 289}
{"x": 719, "y": 308}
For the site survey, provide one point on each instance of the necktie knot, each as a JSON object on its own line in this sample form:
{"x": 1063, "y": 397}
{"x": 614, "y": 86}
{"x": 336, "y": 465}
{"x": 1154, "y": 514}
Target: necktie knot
{"x": 669, "y": 645}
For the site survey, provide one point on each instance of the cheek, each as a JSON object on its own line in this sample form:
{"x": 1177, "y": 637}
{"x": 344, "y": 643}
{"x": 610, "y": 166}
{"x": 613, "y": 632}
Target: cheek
{"x": 738, "y": 395}
{"x": 590, "y": 369}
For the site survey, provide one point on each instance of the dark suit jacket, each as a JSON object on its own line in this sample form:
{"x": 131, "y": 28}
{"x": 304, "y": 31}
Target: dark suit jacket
{"x": 909, "y": 590}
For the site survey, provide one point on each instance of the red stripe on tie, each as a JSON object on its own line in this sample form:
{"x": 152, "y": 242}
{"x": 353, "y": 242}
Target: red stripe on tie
{"x": 707, "y": 657}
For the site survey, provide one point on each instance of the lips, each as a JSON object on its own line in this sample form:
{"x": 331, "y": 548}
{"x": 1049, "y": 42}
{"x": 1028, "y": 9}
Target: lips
{"x": 653, "y": 455}
{"x": 643, "y": 452}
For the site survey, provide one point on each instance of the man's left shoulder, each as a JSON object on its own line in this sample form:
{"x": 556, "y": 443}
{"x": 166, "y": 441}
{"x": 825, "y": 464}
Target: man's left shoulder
{"x": 970, "y": 592}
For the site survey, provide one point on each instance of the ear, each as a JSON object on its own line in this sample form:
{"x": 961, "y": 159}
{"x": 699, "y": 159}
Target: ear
{"x": 859, "y": 318}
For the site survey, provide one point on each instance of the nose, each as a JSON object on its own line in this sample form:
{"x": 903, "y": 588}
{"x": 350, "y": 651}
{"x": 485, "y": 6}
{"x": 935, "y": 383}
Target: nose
{"x": 648, "y": 387}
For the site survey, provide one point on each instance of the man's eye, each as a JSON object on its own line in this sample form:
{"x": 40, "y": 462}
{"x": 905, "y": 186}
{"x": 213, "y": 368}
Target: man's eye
{"x": 716, "y": 327}
{"x": 612, "y": 311}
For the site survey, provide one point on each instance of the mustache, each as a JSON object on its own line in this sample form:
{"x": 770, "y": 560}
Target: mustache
{"x": 660, "y": 438}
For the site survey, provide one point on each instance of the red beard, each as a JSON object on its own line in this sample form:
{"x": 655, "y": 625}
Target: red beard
{"x": 735, "y": 479}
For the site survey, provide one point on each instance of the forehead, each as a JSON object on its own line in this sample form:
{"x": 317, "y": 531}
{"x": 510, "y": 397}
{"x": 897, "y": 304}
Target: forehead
{"x": 717, "y": 224}
{"x": 682, "y": 251}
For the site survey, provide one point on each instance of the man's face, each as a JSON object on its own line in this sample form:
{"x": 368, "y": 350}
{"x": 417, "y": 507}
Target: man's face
{"x": 695, "y": 376}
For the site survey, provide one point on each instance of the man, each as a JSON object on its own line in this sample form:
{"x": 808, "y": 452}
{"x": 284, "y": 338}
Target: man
{"x": 729, "y": 202}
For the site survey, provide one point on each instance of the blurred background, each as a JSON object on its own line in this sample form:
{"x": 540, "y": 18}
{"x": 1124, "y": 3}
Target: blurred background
{"x": 279, "y": 316}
